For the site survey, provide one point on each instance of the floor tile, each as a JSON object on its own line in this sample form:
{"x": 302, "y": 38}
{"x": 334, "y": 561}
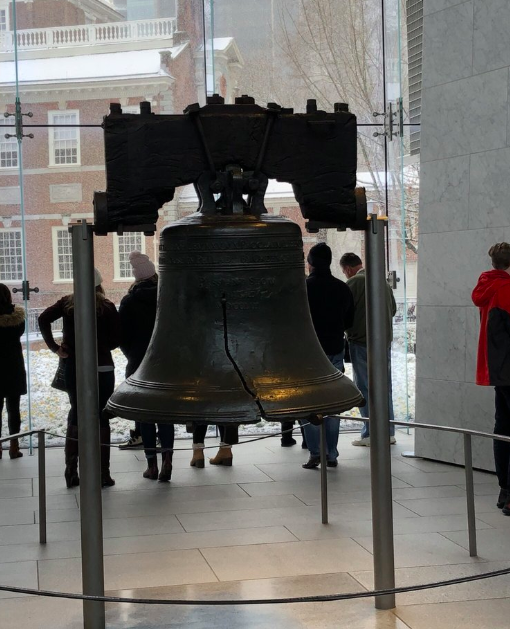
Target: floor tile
{"x": 481, "y": 614}
{"x": 448, "y": 506}
{"x": 20, "y": 574}
{"x": 423, "y": 549}
{"x": 16, "y": 517}
{"x": 16, "y": 488}
{"x": 434, "y": 479}
{"x": 130, "y": 571}
{"x": 316, "y": 530}
{"x": 477, "y": 590}
{"x": 496, "y": 519}
{"x": 492, "y": 544}
{"x": 169, "y": 507}
{"x": 292, "y": 559}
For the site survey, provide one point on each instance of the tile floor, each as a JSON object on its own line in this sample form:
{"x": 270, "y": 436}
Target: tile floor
{"x": 254, "y": 531}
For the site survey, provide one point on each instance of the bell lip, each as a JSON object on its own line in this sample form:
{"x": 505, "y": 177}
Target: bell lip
{"x": 233, "y": 417}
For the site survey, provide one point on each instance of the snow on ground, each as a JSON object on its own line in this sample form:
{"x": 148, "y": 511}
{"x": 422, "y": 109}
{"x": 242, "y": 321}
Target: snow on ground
{"x": 49, "y": 407}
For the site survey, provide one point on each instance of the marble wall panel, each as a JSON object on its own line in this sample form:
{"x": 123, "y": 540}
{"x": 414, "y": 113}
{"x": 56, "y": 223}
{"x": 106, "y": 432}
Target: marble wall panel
{"x": 489, "y": 189}
{"x": 441, "y": 344}
{"x": 491, "y": 35}
{"x": 448, "y": 45}
{"x": 465, "y": 116}
{"x": 432, "y": 6}
{"x": 444, "y": 191}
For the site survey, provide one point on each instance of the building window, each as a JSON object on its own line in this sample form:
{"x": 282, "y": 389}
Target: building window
{"x": 3, "y": 20}
{"x": 64, "y": 140}
{"x": 8, "y": 146}
{"x": 62, "y": 255}
{"x": 123, "y": 246}
{"x": 11, "y": 255}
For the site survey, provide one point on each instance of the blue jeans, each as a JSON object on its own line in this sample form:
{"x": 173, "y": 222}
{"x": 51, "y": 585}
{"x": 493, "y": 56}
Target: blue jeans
{"x": 332, "y": 424}
{"x": 360, "y": 371}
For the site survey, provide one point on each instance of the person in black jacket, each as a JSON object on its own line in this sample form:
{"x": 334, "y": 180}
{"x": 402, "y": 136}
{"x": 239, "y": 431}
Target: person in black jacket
{"x": 138, "y": 315}
{"x": 332, "y": 310}
{"x": 13, "y": 379}
{"x": 108, "y": 338}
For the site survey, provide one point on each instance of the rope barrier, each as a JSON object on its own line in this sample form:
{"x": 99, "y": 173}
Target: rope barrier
{"x": 113, "y": 445}
{"x": 324, "y": 598}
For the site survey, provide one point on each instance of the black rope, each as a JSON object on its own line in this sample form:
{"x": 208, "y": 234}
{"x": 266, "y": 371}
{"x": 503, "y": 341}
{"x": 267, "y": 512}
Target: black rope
{"x": 322, "y": 598}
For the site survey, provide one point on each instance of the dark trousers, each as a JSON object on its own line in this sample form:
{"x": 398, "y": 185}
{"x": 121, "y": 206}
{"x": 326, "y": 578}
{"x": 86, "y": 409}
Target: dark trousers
{"x": 106, "y": 381}
{"x": 166, "y": 436}
{"x": 228, "y": 434}
{"x": 502, "y": 427}
{"x": 13, "y": 413}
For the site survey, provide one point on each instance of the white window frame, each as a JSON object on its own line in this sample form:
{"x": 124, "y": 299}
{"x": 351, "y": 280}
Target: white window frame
{"x": 4, "y": 230}
{"x": 6, "y": 141}
{"x": 5, "y": 10}
{"x": 56, "y": 260}
{"x": 116, "y": 256}
{"x": 51, "y": 134}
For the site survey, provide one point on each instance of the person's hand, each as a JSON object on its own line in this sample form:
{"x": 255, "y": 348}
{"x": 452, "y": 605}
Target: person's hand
{"x": 61, "y": 352}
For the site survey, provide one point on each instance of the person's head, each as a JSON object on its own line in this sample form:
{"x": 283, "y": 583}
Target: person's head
{"x": 5, "y": 300}
{"x": 5, "y": 295}
{"x": 350, "y": 264}
{"x": 500, "y": 256}
{"x": 143, "y": 267}
{"x": 100, "y": 294}
{"x": 319, "y": 258}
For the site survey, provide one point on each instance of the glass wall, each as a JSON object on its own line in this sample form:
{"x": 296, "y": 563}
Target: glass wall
{"x": 62, "y": 62}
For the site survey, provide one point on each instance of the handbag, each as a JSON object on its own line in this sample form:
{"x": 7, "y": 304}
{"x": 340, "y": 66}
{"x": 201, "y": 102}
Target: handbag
{"x": 59, "y": 380}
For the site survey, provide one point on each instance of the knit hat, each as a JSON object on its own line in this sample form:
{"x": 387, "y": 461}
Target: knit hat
{"x": 320, "y": 256}
{"x": 98, "y": 278}
{"x": 143, "y": 268}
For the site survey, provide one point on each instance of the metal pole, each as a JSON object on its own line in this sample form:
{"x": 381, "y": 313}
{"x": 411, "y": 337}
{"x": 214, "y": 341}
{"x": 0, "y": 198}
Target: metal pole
{"x": 88, "y": 424}
{"x": 470, "y": 495}
{"x": 41, "y": 464}
{"x": 380, "y": 458}
{"x": 324, "y": 473}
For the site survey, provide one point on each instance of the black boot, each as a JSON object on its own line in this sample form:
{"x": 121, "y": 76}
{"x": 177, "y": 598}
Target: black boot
{"x": 502, "y": 498}
{"x": 106, "y": 479}
{"x": 166, "y": 467}
{"x": 287, "y": 438}
{"x": 71, "y": 454}
{"x": 312, "y": 463}
{"x": 152, "y": 468}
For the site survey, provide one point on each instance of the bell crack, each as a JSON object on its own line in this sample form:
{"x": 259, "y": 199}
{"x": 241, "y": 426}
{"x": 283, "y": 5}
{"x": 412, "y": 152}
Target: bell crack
{"x": 232, "y": 359}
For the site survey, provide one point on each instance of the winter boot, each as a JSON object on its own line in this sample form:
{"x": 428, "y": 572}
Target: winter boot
{"x": 104, "y": 436}
{"x": 224, "y": 456}
{"x": 198, "y": 455}
{"x": 152, "y": 468}
{"x": 166, "y": 467}
{"x": 71, "y": 454}
{"x": 14, "y": 452}
{"x": 287, "y": 439}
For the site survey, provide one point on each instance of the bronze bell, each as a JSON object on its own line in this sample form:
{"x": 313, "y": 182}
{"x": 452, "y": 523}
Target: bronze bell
{"x": 233, "y": 339}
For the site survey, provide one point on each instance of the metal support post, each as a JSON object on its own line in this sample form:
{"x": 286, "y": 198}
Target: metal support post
{"x": 41, "y": 464}
{"x": 88, "y": 424}
{"x": 324, "y": 473}
{"x": 380, "y": 458}
{"x": 470, "y": 495}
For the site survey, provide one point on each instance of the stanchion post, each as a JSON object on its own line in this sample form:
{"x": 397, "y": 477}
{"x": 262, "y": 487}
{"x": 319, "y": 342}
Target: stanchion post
{"x": 380, "y": 458}
{"x": 88, "y": 424}
{"x": 41, "y": 465}
{"x": 470, "y": 495}
{"x": 324, "y": 472}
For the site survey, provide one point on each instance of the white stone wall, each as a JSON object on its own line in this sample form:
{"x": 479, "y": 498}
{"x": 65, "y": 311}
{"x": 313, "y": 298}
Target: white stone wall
{"x": 464, "y": 209}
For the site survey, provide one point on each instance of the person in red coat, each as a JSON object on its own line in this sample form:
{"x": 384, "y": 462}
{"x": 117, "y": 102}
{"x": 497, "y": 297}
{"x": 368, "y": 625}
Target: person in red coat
{"x": 492, "y": 296}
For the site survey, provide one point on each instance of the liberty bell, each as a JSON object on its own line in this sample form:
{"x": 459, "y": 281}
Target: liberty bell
{"x": 233, "y": 339}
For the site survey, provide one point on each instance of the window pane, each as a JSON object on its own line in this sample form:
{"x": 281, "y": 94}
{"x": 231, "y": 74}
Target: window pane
{"x": 11, "y": 267}
{"x": 8, "y": 146}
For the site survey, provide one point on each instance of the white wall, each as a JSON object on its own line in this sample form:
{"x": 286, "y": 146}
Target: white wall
{"x": 464, "y": 209}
